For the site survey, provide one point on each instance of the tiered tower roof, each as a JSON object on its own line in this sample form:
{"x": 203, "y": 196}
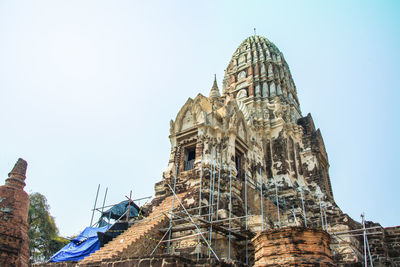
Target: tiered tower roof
{"x": 259, "y": 69}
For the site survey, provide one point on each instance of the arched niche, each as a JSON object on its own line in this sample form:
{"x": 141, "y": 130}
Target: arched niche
{"x": 272, "y": 90}
{"x": 262, "y": 68}
{"x": 278, "y": 89}
{"x": 265, "y": 89}
{"x": 257, "y": 90}
{"x": 270, "y": 71}
{"x": 241, "y": 75}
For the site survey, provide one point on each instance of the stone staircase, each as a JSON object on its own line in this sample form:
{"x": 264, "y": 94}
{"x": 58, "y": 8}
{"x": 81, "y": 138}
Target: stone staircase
{"x": 132, "y": 241}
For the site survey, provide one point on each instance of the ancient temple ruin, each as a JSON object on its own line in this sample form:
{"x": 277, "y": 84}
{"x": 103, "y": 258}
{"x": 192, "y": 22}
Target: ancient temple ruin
{"x": 14, "y": 205}
{"x": 247, "y": 173}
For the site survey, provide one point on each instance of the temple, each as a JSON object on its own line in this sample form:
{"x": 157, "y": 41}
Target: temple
{"x": 247, "y": 183}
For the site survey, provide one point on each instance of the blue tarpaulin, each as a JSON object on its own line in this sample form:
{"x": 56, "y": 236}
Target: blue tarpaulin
{"x": 81, "y": 246}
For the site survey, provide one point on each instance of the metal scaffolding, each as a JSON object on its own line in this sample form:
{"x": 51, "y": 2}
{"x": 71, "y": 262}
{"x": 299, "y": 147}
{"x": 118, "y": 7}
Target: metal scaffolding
{"x": 208, "y": 225}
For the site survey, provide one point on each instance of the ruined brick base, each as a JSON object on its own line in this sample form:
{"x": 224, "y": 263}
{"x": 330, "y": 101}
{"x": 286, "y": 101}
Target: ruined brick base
{"x": 157, "y": 261}
{"x": 292, "y": 246}
{"x": 14, "y": 205}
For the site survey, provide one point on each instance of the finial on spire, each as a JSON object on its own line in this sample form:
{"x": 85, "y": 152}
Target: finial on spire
{"x": 214, "y": 93}
{"x": 17, "y": 176}
{"x": 255, "y": 33}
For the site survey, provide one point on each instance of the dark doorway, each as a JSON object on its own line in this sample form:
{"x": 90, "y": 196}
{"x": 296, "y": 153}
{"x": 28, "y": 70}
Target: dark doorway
{"x": 239, "y": 164}
{"x": 190, "y": 156}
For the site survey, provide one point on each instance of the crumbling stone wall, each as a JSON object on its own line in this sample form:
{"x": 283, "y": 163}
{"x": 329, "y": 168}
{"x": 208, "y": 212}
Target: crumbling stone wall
{"x": 14, "y": 205}
{"x": 384, "y": 244}
{"x": 392, "y": 241}
{"x": 312, "y": 139}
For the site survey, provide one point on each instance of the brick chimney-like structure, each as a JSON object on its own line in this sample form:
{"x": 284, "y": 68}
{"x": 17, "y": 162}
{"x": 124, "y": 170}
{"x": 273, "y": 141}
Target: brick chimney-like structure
{"x": 292, "y": 246}
{"x": 14, "y": 206}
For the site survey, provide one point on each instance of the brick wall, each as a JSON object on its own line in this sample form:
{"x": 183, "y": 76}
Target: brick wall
{"x": 292, "y": 246}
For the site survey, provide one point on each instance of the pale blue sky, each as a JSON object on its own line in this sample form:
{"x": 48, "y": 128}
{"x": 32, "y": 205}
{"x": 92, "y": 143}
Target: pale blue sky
{"x": 87, "y": 89}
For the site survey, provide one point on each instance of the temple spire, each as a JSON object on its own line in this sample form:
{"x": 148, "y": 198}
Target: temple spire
{"x": 16, "y": 177}
{"x": 214, "y": 93}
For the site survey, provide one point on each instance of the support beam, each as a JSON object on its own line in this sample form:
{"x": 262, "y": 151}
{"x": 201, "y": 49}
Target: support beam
{"x": 95, "y": 202}
{"x": 201, "y": 181}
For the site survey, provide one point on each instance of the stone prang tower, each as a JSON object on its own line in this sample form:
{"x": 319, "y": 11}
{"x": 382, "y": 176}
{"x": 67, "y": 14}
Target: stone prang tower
{"x": 255, "y": 132}
{"x": 252, "y": 184}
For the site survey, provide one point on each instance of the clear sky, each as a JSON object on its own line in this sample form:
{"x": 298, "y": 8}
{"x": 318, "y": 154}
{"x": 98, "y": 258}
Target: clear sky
{"x": 87, "y": 90}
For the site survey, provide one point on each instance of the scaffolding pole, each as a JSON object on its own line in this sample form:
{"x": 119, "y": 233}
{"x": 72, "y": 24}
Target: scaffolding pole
{"x": 294, "y": 215}
{"x": 191, "y": 219}
{"x": 133, "y": 200}
{"x": 230, "y": 210}
{"x": 356, "y": 230}
{"x": 184, "y": 237}
{"x": 277, "y": 202}
{"x": 210, "y": 217}
{"x": 104, "y": 201}
{"x": 262, "y": 200}
{"x": 183, "y": 228}
{"x": 95, "y": 202}
{"x": 302, "y": 203}
{"x": 159, "y": 242}
{"x": 215, "y": 223}
{"x": 201, "y": 180}
{"x": 129, "y": 207}
{"x": 209, "y": 197}
{"x": 369, "y": 253}
{"x": 353, "y": 235}
{"x": 326, "y": 221}
{"x": 173, "y": 200}
{"x": 320, "y": 210}
{"x": 219, "y": 182}
{"x": 366, "y": 243}
{"x": 245, "y": 208}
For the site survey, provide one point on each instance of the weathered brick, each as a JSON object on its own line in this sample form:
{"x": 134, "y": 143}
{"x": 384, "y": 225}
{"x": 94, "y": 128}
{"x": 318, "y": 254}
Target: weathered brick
{"x": 14, "y": 205}
{"x": 292, "y": 246}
